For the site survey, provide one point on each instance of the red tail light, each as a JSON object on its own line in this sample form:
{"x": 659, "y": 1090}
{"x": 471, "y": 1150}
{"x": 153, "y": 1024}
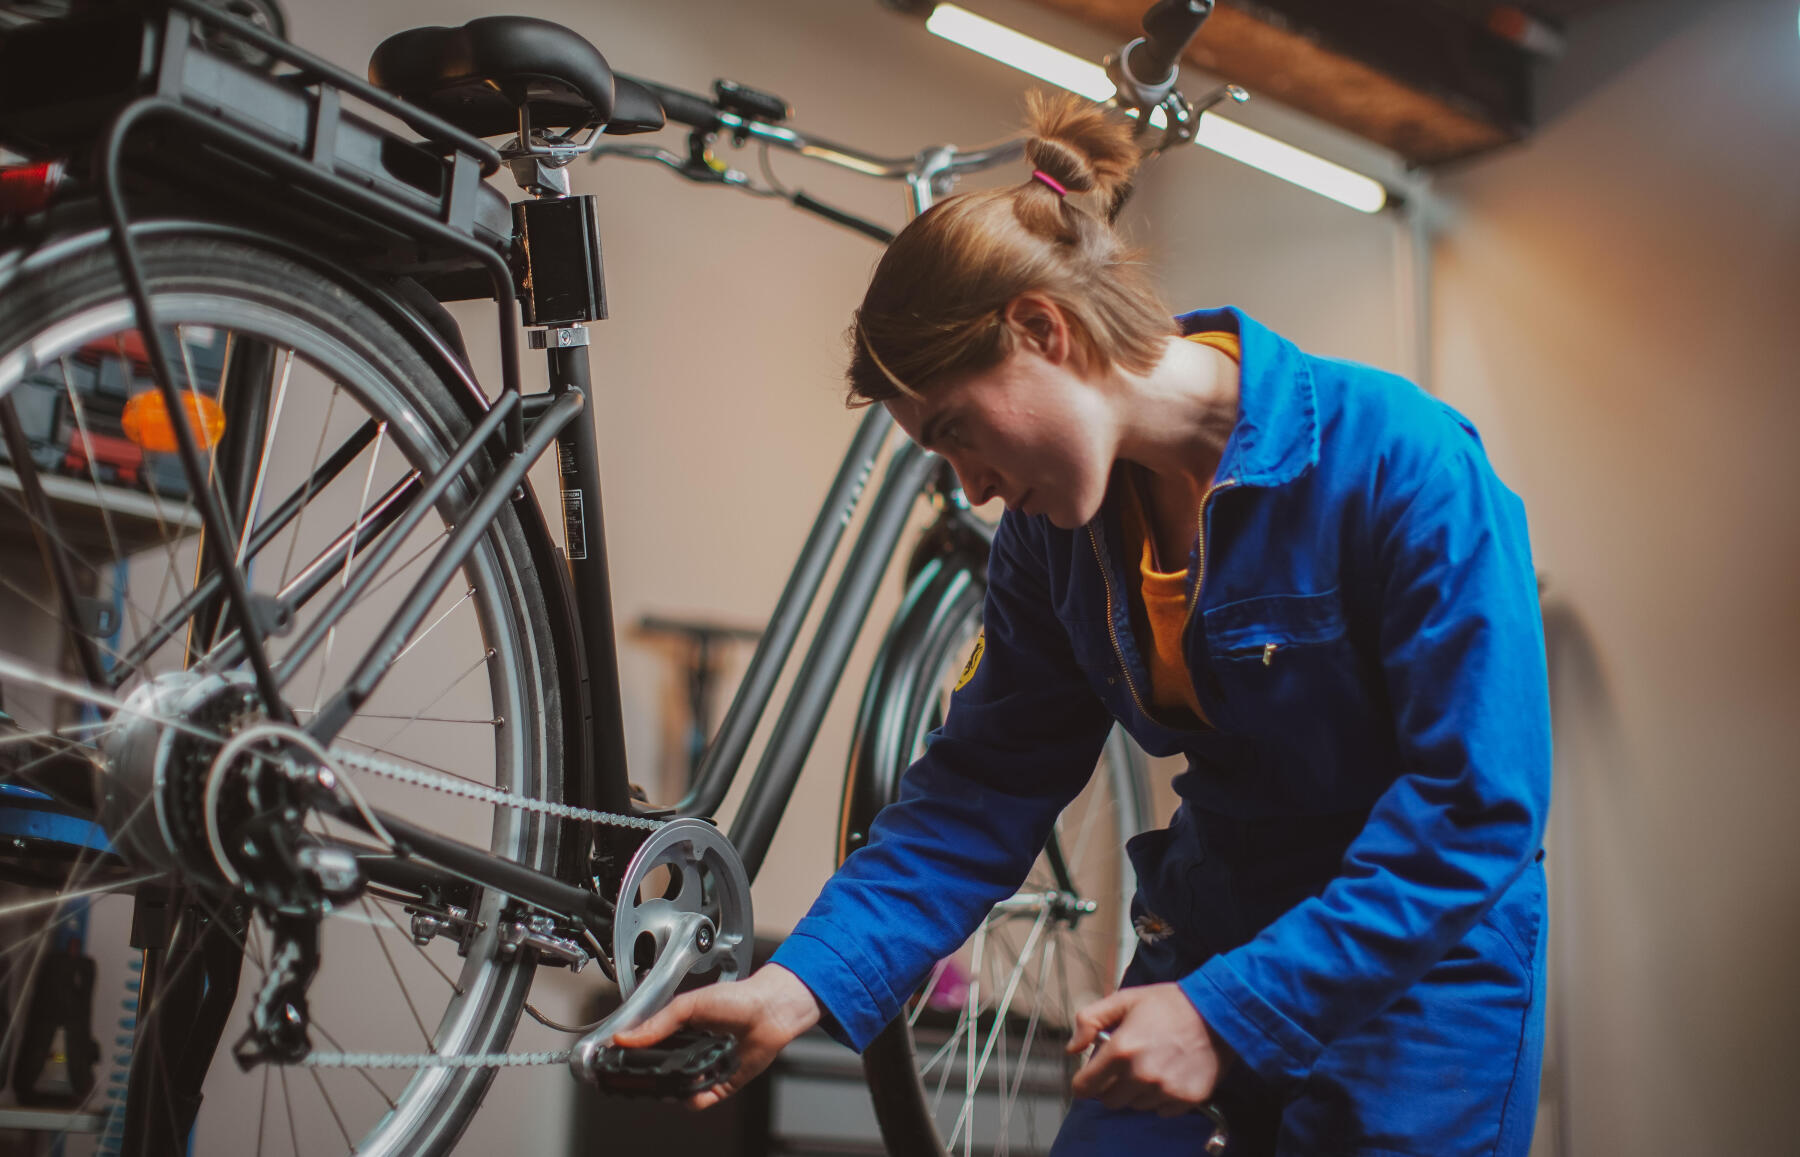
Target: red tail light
{"x": 28, "y": 188}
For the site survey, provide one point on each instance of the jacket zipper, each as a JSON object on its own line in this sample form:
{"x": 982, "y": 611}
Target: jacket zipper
{"x": 1200, "y": 568}
{"x": 1200, "y": 538}
{"x": 1112, "y": 627}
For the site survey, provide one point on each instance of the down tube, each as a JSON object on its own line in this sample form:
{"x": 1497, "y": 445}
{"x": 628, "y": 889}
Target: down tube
{"x": 754, "y": 828}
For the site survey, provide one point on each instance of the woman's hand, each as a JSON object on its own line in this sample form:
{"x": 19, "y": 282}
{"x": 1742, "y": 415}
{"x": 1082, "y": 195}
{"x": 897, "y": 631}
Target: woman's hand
{"x": 1160, "y": 1056}
{"x": 764, "y": 1013}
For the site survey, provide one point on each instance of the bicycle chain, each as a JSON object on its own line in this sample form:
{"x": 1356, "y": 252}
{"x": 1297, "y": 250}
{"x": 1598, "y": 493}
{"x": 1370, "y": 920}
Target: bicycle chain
{"x": 451, "y": 785}
{"x": 462, "y": 787}
{"x": 430, "y": 1060}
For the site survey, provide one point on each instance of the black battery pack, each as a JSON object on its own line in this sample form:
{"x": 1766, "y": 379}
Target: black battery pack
{"x": 682, "y": 1064}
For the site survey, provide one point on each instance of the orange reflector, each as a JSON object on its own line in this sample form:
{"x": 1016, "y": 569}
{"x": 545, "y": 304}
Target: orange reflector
{"x": 146, "y": 421}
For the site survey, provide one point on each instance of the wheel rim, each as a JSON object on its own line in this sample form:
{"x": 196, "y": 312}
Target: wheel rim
{"x": 988, "y": 1025}
{"x": 373, "y": 1111}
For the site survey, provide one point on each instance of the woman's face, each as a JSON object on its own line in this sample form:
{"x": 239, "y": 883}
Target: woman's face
{"x": 1031, "y": 431}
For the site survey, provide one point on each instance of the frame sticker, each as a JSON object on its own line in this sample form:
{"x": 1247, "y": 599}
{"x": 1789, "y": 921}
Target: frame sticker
{"x": 574, "y": 525}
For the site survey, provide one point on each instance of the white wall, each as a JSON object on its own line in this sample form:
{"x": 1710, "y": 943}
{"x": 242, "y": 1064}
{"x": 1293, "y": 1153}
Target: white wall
{"x": 1617, "y": 307}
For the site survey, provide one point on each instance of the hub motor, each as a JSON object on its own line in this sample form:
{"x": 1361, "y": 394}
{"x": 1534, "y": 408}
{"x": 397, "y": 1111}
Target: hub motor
{"x": 203, "y": 785}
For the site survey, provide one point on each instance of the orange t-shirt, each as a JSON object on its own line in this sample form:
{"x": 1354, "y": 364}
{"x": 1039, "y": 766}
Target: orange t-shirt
{"x": 1163, "y": 594}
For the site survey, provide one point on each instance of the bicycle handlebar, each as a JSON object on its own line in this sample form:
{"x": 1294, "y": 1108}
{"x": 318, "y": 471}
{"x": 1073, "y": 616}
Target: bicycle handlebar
{"x": 732, "y": 114}
{"x": 1169, "y": 27}
{"x": 1143, "y": 71}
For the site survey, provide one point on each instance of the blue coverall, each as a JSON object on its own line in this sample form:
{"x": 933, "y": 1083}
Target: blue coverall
{"x": 1354, "y": 876}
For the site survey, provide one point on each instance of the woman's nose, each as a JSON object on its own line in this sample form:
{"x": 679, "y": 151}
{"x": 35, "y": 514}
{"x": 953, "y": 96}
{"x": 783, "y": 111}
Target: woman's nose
{"x": 979, "y": 486}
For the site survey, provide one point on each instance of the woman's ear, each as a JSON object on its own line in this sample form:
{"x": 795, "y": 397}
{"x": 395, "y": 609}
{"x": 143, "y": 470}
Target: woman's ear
{"x": 1041, "y": 326}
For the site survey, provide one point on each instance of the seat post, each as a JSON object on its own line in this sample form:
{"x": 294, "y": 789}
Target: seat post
{"x": 557, "y": 238}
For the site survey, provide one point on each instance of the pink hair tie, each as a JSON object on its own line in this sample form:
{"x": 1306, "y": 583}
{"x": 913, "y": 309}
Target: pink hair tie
{"x": 1040, "y": 175}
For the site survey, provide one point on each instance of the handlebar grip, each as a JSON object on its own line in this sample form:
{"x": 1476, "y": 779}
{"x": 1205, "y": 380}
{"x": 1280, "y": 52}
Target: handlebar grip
{"x": 684, "y": 107}
{"x": 1168, "y": 28}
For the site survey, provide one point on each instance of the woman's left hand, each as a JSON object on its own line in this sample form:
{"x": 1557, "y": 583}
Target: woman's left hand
{"x": 1160, "y": 1056}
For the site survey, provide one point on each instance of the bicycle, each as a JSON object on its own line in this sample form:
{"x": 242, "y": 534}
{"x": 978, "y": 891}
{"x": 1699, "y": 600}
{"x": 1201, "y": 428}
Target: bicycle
{"x": 303, "y": 251}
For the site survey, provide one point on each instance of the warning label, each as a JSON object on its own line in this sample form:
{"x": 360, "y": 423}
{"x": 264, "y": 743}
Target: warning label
{"x": 574, "y": 525}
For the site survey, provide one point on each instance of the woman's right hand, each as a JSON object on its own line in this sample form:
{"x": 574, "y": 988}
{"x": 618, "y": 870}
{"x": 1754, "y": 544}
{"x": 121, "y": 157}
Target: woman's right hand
{"x": 764, "y": 1013}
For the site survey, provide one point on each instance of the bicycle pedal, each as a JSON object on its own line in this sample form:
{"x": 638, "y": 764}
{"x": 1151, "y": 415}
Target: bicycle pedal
{"x": 682, "y": 1064}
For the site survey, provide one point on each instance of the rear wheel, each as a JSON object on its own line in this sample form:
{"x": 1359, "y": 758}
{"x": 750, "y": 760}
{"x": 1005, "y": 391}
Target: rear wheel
{"x": 330, "y": 421}
{"x": 975, "y": 1062}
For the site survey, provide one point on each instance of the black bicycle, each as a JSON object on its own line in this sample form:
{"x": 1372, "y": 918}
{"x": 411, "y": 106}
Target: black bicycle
{"x": 330, "y": 696}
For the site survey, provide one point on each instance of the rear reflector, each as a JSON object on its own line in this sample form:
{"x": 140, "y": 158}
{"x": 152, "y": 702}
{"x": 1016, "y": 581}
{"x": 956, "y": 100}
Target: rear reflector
{"x": 27, "y": 188}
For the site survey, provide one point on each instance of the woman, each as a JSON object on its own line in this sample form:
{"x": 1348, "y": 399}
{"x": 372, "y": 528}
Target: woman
{"x": 1300, "y": 573}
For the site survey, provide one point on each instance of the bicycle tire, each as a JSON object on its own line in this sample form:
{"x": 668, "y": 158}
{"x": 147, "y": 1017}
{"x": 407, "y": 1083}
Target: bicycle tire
{"x": 919, "y": 663}
{"x": 58, "y": 314}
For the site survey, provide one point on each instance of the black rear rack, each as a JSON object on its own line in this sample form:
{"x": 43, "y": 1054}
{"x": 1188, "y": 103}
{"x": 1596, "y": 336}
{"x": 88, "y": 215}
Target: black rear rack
{"x": 160, "y": 114}
{"x": 282, "y": 145}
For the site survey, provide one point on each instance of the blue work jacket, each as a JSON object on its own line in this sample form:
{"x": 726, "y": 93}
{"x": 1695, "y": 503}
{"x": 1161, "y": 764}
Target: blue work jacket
{"x": 1375, "y": 772}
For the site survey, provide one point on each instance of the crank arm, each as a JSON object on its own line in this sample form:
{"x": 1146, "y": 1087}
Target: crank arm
{"x": 692, "y": 944}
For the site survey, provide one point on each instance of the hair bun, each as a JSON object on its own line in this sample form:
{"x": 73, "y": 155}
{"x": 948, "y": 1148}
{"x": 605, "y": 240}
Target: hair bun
{"x": 1081, "y": 145}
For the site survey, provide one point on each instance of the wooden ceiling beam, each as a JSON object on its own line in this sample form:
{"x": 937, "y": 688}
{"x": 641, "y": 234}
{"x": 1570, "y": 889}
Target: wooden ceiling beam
{"x": 1418, "y": 78}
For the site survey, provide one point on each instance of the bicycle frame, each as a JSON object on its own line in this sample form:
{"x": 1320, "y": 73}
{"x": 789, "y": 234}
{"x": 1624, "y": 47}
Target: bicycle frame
{"x": 522, "y": 428}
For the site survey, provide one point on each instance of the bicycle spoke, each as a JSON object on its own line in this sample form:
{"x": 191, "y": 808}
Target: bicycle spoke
{"x": 262, "y": 465}
{"x": 1012, "y": 987}
{"x": 1010, "y": 1096}
{"x": 287, "y": 1098}
{"x": 417, "y": 947}
{"x": 11, "y": 668}
{"x": 56, "y": 616}
{"x": 931, "y": 983}
{"x": 262, "y": 1111}
{"x": 318, "y": 451}
{"x": 395, "y": 735}
{"x": 366, "y": 1075}
{"x": 15, "y": 908}
{"x": 349, "y": 560}
{"x": 399, "y": 981}
{"x": 332, "y": 1105}
{"x": 414, "y": 761}
{"x": 166, "y": 626}
{"x": 421, "y": 636}
{"x": 100, "y": 500}
{"x": 164, "y": 536}
{"x": 316, "y": 575}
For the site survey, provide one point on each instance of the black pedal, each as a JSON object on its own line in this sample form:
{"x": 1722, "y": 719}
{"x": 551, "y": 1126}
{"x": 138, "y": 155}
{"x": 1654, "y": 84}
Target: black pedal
{"x": 682, "y": 1064}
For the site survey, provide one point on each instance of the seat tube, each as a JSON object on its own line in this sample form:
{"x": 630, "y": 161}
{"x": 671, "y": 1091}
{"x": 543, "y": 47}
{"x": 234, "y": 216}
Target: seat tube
{"x": 578, "y": 477}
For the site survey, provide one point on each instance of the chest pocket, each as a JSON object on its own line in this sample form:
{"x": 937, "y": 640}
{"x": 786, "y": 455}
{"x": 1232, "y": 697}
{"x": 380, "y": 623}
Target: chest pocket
{"x": 1287, "y": 677}
{"x": 1261, "y": 628}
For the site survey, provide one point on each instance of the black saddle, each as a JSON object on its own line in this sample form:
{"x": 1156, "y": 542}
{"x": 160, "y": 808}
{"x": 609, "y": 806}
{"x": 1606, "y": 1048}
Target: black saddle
{"x": 479, "y": 76}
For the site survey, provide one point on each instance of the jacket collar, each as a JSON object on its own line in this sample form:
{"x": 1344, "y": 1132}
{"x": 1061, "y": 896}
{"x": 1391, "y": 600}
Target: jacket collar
{"x": 1277, "y": 433}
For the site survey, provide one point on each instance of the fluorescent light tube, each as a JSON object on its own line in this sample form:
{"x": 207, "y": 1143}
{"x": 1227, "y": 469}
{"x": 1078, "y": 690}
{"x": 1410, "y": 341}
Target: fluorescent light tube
{"x": 1066, "y": 70}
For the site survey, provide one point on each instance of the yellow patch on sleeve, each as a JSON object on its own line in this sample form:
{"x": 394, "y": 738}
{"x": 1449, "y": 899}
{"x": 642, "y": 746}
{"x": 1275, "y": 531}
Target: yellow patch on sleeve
{"x": 968, "y": 671}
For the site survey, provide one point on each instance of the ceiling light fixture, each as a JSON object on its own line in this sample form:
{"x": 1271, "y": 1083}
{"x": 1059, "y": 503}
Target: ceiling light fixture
{"x": 1246, "y": 145}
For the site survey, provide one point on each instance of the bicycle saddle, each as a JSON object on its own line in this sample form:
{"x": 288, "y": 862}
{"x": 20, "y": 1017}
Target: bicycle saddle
{"x": 478, "y": 76}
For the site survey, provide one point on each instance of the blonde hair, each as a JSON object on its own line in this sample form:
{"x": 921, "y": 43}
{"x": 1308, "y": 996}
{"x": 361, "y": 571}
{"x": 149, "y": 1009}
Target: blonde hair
{"x": 936, "y": 304}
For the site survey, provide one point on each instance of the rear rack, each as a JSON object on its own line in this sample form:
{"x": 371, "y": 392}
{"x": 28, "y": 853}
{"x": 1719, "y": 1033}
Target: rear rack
{"x": 277, "y": 151}
{"x": 62, "y": 82}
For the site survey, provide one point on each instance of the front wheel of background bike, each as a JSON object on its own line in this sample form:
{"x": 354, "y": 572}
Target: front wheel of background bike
{"x": 975, "y": 1061}
{"x": 348, "y": 411}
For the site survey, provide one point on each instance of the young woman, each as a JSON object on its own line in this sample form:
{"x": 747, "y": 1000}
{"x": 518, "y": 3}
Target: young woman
{"x": 1300, "y": 573}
